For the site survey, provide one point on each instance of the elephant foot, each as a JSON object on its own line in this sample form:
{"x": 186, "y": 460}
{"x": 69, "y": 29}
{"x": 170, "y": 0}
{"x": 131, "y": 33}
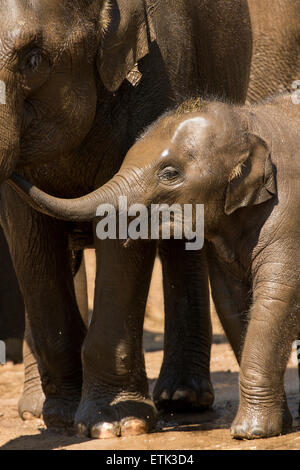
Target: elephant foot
{"x": 172, "y": 393}
{"x": 59, "y": 412}
{"x": 124, "y": 416}
{"x": 30, "y": 405}
{"x": 256, "y": 422}
{"x": 32, "y": 400}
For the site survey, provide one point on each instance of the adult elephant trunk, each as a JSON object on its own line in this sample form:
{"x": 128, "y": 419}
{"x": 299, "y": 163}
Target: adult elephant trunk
{"x": 127, "y": 182}
{"x": 10, "y": 128}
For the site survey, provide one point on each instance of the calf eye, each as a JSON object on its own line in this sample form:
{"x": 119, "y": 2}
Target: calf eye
{"x": 169, "y": 175}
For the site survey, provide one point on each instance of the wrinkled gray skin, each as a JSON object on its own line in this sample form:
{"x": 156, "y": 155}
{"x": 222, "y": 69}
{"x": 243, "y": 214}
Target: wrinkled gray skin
{"x": 243, "y": 164}
{"x": 32, "y": 399}
{"x": 71, "y": 114}
{"x": 275, "y": 65}
{"x": 276, "y": 52}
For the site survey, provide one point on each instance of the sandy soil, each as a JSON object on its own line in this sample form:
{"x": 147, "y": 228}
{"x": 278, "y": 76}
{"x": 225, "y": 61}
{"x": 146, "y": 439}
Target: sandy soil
{"x": 209, "y": 430}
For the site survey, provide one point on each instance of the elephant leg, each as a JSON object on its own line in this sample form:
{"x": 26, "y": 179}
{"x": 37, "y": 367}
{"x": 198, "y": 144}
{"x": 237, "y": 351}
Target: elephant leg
{"x": 263, "y": 410}
{"x": 32, "y": 399}
{"x": 41, "y": 256}
{"x": 231, "y": 300}
{"x": 184, "y": 380}
{"x": 31, "y": 402}
{"x": 115, "y": 399}
{"x": 11, "y": 305}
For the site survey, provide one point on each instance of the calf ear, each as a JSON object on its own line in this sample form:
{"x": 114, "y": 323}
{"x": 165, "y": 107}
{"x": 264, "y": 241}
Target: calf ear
{"x": 126, "y": 33}
{"x": 253, "y": 180}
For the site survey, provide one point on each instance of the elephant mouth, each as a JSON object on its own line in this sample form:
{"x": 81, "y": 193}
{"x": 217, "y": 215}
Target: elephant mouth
{"x": 155, "y": 225}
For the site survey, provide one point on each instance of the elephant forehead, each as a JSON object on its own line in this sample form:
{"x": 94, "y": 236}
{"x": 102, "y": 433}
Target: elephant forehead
{"x": 188, "y": 132}
{"x": 52, "y": 24}
{"x": 194, "y": 128}
{"x": 20, "y": 19}
{"x": 15, "y": 7}
{"x": 14, "y": 15}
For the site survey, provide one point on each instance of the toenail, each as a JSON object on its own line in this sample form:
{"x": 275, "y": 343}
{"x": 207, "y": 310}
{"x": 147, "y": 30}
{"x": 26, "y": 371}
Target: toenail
{"x": 134, "y": 427}
{"x": 104, "y": 431}
{"x": 82, "y": 430}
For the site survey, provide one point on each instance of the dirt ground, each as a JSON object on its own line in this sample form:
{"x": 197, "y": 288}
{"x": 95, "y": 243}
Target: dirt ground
{"x": 209, "y": 430}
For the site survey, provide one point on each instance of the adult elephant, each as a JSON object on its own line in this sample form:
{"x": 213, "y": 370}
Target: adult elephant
{"x": 82, "y": 80}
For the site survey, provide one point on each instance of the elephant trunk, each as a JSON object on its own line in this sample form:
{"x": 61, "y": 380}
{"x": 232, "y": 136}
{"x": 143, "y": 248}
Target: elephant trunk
{"x": 127, "y": 182}
{"x": 10, "y": 127}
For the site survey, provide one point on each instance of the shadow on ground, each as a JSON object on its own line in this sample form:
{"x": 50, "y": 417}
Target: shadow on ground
{"x": 196, "y": 425}
{"x": 46, "y": 440}
{"x": 205, "y": 430}
{"x": 174, "y": 422}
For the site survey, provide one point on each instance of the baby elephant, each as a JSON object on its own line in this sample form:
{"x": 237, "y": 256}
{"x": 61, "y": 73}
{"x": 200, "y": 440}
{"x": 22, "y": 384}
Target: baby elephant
{"x": 243, "y": 164}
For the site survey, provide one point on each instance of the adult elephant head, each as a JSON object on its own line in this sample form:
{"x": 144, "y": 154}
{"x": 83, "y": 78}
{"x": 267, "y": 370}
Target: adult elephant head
{"x": 51, "y": 56}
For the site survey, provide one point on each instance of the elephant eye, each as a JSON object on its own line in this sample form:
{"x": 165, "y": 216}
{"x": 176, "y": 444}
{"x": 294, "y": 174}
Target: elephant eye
{"x": 34, "y": 68}
{"x": 34, "y": 60}
{"x": 169, "y": 175}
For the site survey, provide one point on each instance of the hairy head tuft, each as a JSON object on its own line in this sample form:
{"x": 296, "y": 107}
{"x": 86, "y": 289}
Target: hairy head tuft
{"x": 191, "y": 106}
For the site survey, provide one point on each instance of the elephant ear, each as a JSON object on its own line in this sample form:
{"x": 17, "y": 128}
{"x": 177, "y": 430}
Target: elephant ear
{"x": 253, "y": 179}
{"x": 126, "y": 34}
